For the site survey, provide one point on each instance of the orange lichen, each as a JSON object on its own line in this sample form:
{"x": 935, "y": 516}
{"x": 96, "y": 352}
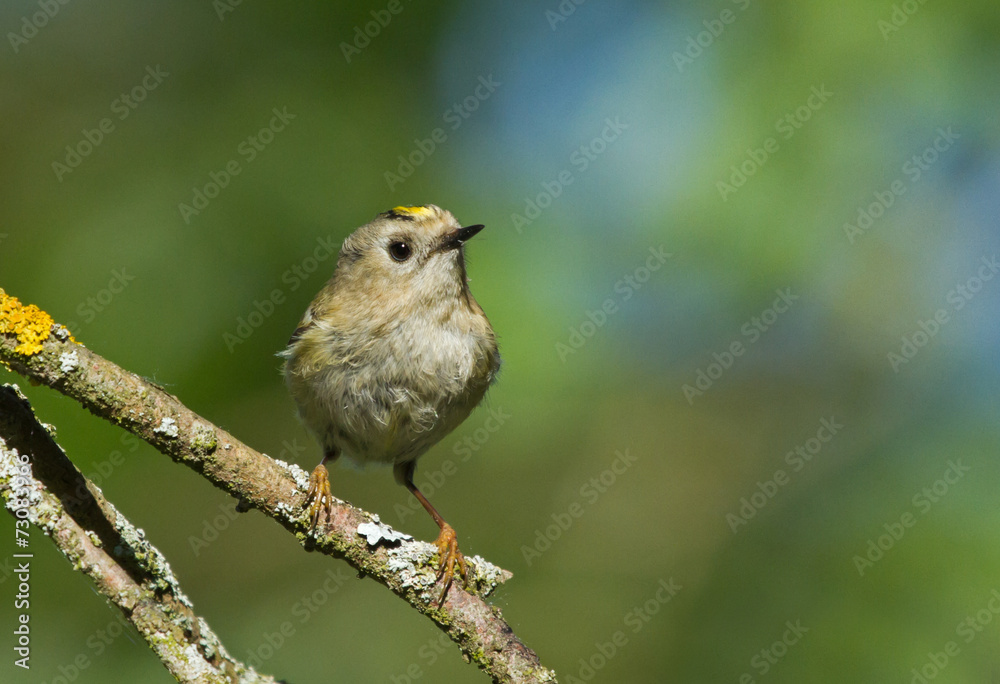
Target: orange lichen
{"x": 29, "y": 323}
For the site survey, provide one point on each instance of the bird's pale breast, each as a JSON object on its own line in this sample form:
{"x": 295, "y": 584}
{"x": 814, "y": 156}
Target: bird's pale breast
{"x": 388, "y": 400}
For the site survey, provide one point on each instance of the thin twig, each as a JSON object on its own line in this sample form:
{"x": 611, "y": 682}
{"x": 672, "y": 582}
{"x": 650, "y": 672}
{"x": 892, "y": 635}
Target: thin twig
{"x": 278, "y": 490}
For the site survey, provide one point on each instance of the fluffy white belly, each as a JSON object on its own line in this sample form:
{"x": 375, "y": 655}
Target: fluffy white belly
{"x": 393, "y": 401}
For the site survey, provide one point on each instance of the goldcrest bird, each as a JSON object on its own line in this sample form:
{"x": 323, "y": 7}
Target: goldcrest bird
{"x": 393, "y": 354}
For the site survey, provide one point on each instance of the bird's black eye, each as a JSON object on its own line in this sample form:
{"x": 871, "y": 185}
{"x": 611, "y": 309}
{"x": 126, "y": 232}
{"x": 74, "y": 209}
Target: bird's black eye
{"x": 400, "y": 251}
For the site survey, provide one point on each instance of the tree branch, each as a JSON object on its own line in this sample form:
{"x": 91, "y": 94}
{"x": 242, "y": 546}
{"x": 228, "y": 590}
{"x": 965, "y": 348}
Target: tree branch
{"x": 41, "y": 486}
{"x": 275, "y": 488}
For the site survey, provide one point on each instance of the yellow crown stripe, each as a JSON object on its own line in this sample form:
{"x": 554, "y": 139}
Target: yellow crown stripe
{"x": 412, "y": 210}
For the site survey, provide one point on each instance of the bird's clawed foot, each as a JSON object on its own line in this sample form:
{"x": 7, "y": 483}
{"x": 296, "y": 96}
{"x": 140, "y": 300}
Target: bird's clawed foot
{"x": 448, "y": 557}
{"x": 319, "y": 500}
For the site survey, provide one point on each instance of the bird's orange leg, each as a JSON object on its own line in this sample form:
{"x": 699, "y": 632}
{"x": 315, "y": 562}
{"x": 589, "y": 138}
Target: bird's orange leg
{"x": 447, "y": 542}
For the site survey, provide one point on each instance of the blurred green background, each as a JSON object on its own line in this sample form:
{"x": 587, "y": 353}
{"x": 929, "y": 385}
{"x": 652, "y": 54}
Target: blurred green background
{"x": 844, "y": 155}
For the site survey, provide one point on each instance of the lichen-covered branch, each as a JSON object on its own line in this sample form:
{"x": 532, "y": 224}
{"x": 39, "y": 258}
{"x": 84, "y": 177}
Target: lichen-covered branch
{"x": 41, "y": 486}
{"x": 30, "y": 344}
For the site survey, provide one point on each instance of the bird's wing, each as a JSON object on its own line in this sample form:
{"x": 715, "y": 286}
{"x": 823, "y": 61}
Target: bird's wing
{"x": 307, "y": 322}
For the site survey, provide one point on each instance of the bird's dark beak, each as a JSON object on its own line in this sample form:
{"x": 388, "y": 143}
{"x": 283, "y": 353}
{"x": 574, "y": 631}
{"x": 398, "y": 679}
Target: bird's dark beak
{"x": 457, "y": 237}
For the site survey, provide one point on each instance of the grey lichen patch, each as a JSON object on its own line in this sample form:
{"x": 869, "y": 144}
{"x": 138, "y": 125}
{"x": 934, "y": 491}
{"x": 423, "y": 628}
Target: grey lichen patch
{"x": 485, "y": 575}
{"x": 300, "y": 476}
{"x": 167, "y": 428}
{"x": 412, "y": 564}
{"x": 415, "y": 564}
{"x": 203, "y": 441}
{"x": 69, "y": 362}
{"x": 94, "y": 539}
{"x": 286, "y": 511}
{"x": 60, "y": 332}
{"x": 49, "y": 428}
{"x": 134, "y": 544}
{"x": 543, "y": 675}
{"x": 197, "y": 667}
{"x": 183, "y": 659}
{"x": 376, "y": 531}
{"x": 24, "y": 490}
{"x": 209, "y": 643}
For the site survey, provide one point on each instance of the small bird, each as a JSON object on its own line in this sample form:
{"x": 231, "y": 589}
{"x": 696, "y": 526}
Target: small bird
{"x": 393, "y": 354}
